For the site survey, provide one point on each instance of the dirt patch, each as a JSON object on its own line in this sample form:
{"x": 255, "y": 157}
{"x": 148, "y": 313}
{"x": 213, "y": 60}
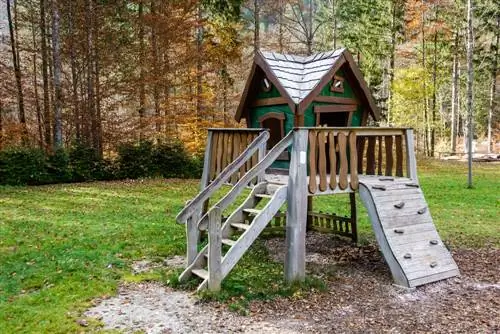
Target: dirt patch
{"x": 360, "y": 298}
{"x": 155, "y": 309}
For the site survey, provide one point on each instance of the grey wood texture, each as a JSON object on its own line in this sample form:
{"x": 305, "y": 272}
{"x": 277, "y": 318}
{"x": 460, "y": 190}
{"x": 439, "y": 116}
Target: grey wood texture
{"x": 300, "y": 75}
{"x": 260, "y": 167}
{"x": 409, "y": 241}
{"x": 296, "y": 216}
{"x": 192, "y": 237}
{"x": 214, "y": 250}
{"x": 222, "y": 178}
{"x": 411, "y": 161}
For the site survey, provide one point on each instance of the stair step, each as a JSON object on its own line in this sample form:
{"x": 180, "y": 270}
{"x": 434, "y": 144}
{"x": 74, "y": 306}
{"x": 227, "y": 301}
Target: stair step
{"x": 263, "y": 196}
{"x": 252, "y": 211}
{"x": 202, "y": 273}
{"x": 228, "y": 242}
{"x": 241, "y": 226}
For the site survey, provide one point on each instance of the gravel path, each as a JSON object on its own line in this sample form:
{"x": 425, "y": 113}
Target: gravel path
{"x": 359, "y": 299}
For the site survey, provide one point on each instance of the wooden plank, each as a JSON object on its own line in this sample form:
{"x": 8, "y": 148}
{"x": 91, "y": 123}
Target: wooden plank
{"x": 296, "y": 215}
{"x": 249, "y": 161}
{"x": 333, "y": 160}
{"x": 343, "y": 161}
{"x": 322, "y": 161}
{"x": 270, "y": 101}
{"x": 313, "y": 186}
{"x": 261, "y": 155}
{"x": 335, "y": 99}
{"x": 335, "y": 108}
{"x": 243, "y": 144}
{"x": 363, "y": 131}
{"x": 353, "y": 163}
{"x": 370, "y": 156}
{"x": 380, "y": 153}
{"x": 388, "y": 156}
{"x": 434, "y": 277}
{"x": 399, "y": 155}
{"x": 361, "y": 151}
{"x": 214, "y": 249}
{"x": 213, "y": 154}
{"x": 411, "y": 161}
{"x": 222, "y": 178}
{"x": 422, "y": 237}
{"x": 220, "y": 146}
{"x": 223, "y": 148}
{"x": 236, "y": 152}
{"x": 192, "y": 238}
{"x": 354, "y": 217}
{"x": 229, "y": 148}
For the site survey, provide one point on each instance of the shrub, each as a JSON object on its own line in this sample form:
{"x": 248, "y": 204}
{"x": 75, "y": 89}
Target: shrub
{"x": 58, "y": 168}
{"x": 171, "y": 160}
{"x": 86, "y": 165}
{"x": 23, "y": 166}
{"x": 136, "y": 160}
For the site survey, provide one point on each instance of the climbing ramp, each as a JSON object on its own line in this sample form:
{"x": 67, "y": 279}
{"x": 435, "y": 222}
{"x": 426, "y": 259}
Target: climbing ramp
{"x": 405, "y": 232}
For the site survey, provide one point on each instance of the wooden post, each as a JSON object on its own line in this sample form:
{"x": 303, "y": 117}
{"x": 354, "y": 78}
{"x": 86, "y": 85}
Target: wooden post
{"x": 205, "y": 176}
{"x": 192, "y": 237}
{"x": 214, "y": 249}
{"x": 262, "y": 154}
{"x": 296, "y": 220}
{"x": 354, "y": 217}
{"x": 411, "y": 161}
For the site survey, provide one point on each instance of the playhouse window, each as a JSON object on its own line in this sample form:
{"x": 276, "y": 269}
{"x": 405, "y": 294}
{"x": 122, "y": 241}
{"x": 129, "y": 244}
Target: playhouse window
{"x": 337, "y": 84}
{"x": 266, "y": 85}
{"x": 334, "y": 114}
{"x": 275, "y": 122}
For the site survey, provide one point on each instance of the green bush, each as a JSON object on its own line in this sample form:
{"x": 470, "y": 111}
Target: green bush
{"x": 23, "y": 166}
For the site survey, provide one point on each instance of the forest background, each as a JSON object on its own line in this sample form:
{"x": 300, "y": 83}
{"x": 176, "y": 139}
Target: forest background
{"x": 109, "y": 76}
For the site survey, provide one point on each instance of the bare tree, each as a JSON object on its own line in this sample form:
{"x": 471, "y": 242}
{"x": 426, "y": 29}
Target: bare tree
{"x": 470, "y": 92}
{"x": 56, "y": 60}
{"x": 493, "y": 93}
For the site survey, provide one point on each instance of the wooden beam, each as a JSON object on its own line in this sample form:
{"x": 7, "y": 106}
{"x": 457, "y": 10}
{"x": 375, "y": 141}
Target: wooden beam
{"x": 296, "y": 216}
{"x": 411, "y": 162}
{"x": 214, "y": 250}
{"x": 336, "y": 99}
{"x": 335, "y": 108}
{"x": 270, "y": 101}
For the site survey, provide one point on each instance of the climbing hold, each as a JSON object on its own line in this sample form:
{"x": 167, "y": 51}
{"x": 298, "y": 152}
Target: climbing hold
{"x": 386, "y": 178}
{"x": 399, "y": 231}
{"x": 413, "y": 185}
{"x": 433, "y": 242}
{"x": 379, "y": 187}
{"x": 399, "y": 205}
{"x": 433, "y": 264}
{"x": 407, "y": 256}
{"x": 422, "y": 211}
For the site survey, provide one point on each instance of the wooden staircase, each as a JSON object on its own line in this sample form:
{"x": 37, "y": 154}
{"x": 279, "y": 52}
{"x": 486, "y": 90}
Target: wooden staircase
{"x": 229, "y": 242}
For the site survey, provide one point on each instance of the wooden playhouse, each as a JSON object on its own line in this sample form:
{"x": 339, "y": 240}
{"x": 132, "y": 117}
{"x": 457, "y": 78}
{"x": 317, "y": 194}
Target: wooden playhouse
{"x": 307, "y": 136}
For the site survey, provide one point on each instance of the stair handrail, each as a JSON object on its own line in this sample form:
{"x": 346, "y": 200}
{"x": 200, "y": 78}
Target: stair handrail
{"x": 256, "y": 170}
{"x": 196, "y": 203}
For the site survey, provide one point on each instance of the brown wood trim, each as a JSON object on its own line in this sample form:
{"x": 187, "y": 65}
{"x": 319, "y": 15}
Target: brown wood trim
{"x": 326, "y": 78}
{"x": 336, "y": 99}
{"x": 335, "y": 108}
{"x": 277, "y": 115}
{"x": 241, "y": 106}
{"x": 271, "y": 101}
{"x": 362, "y": 84}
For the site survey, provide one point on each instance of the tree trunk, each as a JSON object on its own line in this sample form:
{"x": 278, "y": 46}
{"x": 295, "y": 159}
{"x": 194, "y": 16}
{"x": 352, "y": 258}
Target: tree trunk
{"x": 470, "y": 82}
{"x": 35, "y": 85}
{"x": 56, "y": 60}
{"x": 1, "y": 125}
{"x": 334, "y": 22}
{"x": 45, "y": 76}
{"x": 90, "y": 75}
{"x": 142, "y": 78}
{"x": 199, "y": 71}
{"x": 256, "y": 31}
{"x": 392, "y": 59}
{"x": 280, "y": 25}
{"x": 97, "y": 128}
{"x": 493, "y": 100}
{"x": 74, "y": 76}
{"x": 454, "y": 95}
{"x": 434, "y": 92}
{"x": 424, "y": 84}
{"x": 156, "y": 74}
{"x": 17, "y": 73}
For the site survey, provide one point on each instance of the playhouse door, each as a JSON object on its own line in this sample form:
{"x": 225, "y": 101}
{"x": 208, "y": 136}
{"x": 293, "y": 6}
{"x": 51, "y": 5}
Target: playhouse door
{"x": 275, "y": 123}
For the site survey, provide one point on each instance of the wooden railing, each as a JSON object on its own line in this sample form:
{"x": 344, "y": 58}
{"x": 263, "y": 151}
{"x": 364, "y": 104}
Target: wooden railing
{"x": 224, "y": 146}
{"x": 337, "y": 156}
{"x": 191, "y": 213}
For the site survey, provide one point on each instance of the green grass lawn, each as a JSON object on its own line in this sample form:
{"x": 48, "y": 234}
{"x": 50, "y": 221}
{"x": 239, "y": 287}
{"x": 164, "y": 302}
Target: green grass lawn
{"x": 63, "y": 245}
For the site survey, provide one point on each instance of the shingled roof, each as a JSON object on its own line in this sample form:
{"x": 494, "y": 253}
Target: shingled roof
{"x": 299, "y": 79}
{"x": 299, "y": 75}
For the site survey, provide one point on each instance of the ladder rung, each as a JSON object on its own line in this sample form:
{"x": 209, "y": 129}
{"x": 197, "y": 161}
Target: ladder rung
{"x": 252, "y": 211}
{"x": 263, "y": 195}
{"x": 228, "y": 242}
{"x": 202, "y": 273}
{"x": 241, "y": 226}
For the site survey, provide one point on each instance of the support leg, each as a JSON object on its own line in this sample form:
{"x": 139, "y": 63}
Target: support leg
{"x": 354, "y": 217}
